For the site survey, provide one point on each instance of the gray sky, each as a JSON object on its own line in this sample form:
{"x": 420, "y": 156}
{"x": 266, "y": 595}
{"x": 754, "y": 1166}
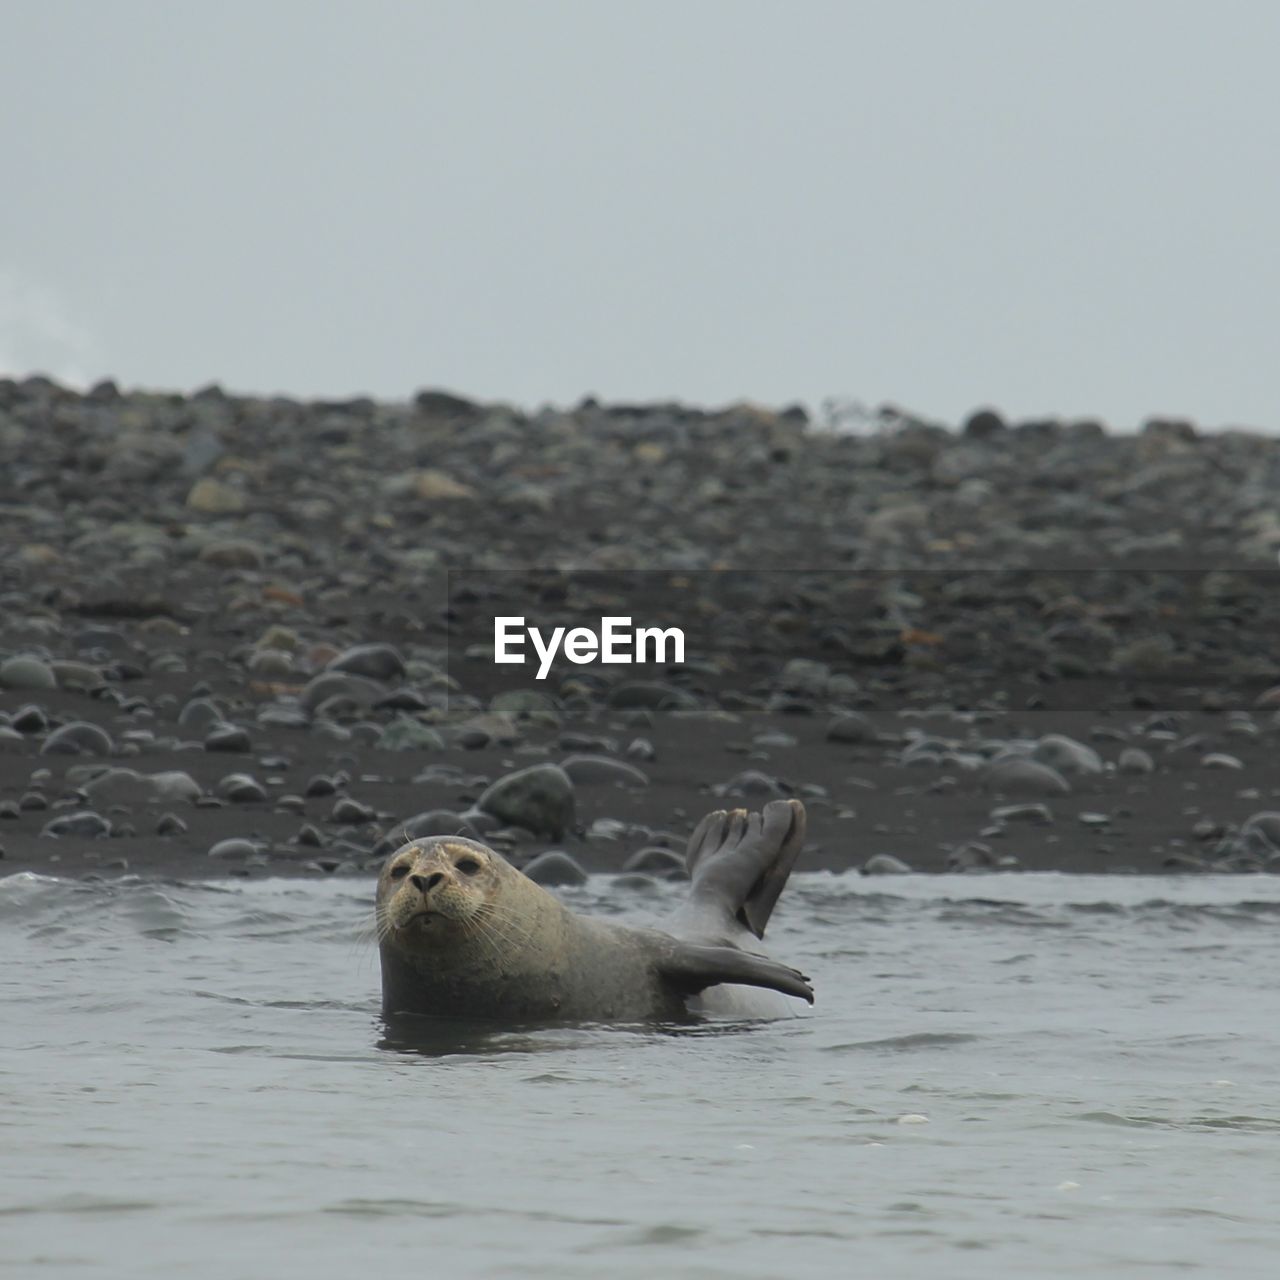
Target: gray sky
{"x": 1068, "y": 208}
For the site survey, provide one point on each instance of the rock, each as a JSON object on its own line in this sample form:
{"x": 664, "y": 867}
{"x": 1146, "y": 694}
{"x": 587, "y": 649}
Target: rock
{"x": 1039, "y": 814}
{"x": 199, "y": 714}
{"x": 374, "y": 661}
{"x": 593, "y": 768}
{"x": 805, "y": 677}
{"x": 349, "y": 811}
{"x": 405, "y": 733}
{"x": 232, "y": 554}
{"x": 555, "y": 868}
{"x": 78, "y": 676}
{"x": 129, "y": 787}
{"x": 1267, "y": 823}
{"x": 885, "y": 864}
{"x": 540, "y": 799}
{"x": 84, "y": 823}
{"x": 241, "y": 788}
{"x": 228, "y": 737}
{"x": 271, "y": 664}
{"x": 331, "y": 685}
{"x": 169, "y": 824}
{"x": 484, "y": 730}
{"x": 1135, "y": 761}
{"x": 982, "y": 424}
{"x": 972, "y": 856}
{"x": 642, "y": 749}
{"x": 233, "y": 849}
{"x": 850, "y": 726}
{"x": 751, "y": 782}
{"x": 213, "y": 497}
{"x": 1066, "y": 755}
{"x": 525, "y": 704}
{"x": 1221, "y": 760}
{"x": 1019, "y": 776}
{"x": 29, "y": 719}
{"x": 26, "y": 672}
{"x": 80, "y": 737}
{"x": 657, "y": 861}
{"x": 653, "y": 694}
{"x": 430, "y": 485}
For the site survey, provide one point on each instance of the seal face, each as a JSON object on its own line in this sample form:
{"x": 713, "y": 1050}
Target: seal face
{"x": 462, "y": 933}
{"x": 451, "y": 884}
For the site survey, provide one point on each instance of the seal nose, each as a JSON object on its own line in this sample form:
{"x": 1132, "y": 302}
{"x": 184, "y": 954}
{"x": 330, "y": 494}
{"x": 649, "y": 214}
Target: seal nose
{"x": 423, "y": 883}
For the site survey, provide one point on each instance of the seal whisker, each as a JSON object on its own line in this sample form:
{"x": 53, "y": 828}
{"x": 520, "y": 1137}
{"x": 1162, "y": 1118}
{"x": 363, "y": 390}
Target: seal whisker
{"x": 509, "y": 924}
{"x": 492, "y": 929}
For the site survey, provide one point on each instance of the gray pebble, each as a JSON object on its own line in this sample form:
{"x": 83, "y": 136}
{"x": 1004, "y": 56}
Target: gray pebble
{"x": 885, "y": 864}
{"x": 539, "y": 798}
{"x": 656, "y": 861}
{"x": 26, "y": 672}
{"x": 586, "y": 769}
{"x": 751, "y": 782}
{"x": 1135, "y": 761}
{"x": 1221, "y": 760}
{"x": 82, "y": 823}
{"x": 1018, "y": 776}
{"x": 654, "y": 695}
{"x": 241, "y": 788}
{"x": 199, "y": 714}
{"x": 405, "y": 733}
{"x": 228, "y": 737}
{"x": 234, "y": 848}
{"x": 555, "y": 868}
{"x": 128, "y": 786}
{"x": 30, "y": 719}
{"x": 851, "y": 726}
{"x": 350, "y": 811}
{"x": 1066, "y": 755}
{"x": 80, "y": 737}
{"x": 1039, "y": 814}
{"x": 1268, "y": 823}
{"x": 376, "y": 661}
{"x": 339, "y": 686}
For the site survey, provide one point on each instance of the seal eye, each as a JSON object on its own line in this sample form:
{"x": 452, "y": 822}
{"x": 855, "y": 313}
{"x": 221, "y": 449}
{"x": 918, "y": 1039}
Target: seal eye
{"x": 399, "y": 871}
{"x": 468, "y": 866}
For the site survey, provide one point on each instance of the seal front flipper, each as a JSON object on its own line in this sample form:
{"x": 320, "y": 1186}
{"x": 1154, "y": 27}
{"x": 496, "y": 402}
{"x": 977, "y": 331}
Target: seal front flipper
{"x": 739, "y": 862}
{"x": 691, "y": 968}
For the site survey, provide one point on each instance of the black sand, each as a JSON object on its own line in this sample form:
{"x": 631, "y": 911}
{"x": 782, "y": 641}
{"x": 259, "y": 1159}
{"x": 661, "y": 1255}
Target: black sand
{"x": 874, "y": 624}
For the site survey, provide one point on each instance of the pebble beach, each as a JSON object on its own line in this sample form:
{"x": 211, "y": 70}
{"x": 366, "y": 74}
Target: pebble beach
{"x": 246, "y": 636}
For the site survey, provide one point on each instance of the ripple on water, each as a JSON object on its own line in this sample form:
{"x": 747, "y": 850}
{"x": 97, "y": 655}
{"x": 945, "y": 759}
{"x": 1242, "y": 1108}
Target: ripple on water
{"x": 1091, "y": 1054}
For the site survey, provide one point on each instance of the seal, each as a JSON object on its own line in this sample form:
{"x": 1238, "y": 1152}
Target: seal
{"x": 463, "y": 934}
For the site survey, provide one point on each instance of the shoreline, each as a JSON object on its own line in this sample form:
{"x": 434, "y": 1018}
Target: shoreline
{"x": 277, "y": 601}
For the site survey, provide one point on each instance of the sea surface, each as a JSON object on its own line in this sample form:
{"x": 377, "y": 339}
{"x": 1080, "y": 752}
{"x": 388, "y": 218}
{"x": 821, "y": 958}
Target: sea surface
{"x": 1011, "y": 1074}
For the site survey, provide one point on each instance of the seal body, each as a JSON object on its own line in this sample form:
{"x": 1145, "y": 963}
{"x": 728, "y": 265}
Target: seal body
{"x": 463, "y": 934}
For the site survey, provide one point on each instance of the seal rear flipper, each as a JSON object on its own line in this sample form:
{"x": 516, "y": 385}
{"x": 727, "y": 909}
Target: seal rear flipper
{"x": 740, "y": 862}
{"x": 691, "y": 968}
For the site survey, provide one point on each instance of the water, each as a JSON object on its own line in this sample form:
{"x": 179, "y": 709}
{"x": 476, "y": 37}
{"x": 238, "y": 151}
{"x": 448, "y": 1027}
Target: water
{"x": 1032, "y": 1074}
